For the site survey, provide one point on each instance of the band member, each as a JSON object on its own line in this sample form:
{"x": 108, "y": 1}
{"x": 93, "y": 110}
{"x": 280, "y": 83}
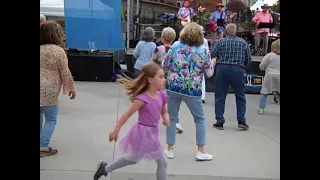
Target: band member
{"x": 186, "y": 12}
{"x": 217, "y": 19}
{"x": 262, "y": 33}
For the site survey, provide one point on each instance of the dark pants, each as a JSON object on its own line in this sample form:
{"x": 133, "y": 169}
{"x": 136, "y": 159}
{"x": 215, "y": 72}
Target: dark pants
{"x": 229, "y": 75}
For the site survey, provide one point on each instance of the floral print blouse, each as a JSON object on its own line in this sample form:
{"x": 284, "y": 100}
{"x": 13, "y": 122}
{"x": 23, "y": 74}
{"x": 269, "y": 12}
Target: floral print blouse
{"x": 184, "y": 67}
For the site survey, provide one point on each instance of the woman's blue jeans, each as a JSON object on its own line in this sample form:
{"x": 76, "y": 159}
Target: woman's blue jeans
{"x": 195, "y": 107}
{"x": 263, "y": 100}
{"x": 47, "y": 127}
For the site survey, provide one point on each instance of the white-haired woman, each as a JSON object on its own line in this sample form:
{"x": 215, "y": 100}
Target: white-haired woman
{"x": 144, "y": 49}
{"x": 168, "y": 35}
{"x": 271, "y": 82}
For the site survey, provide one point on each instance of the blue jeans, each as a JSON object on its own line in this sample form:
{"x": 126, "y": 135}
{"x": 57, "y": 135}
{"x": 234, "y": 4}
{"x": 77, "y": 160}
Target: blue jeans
{"x": 195, "y": 107}
{"x": 263, "y": 100}
{"x": 229, "y": 75}
{"x": 46, "y": 130}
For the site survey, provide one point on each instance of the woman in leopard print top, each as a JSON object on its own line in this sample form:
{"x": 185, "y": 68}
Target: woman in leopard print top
{"x": 54, "y": 74}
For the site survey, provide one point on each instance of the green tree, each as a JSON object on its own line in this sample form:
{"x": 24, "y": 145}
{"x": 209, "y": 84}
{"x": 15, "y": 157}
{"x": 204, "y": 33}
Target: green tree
{"x": 276, "y": 6}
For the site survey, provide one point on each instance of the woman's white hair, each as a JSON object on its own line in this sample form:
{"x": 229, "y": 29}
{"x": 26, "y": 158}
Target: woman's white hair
{"x": 42, "y": 17}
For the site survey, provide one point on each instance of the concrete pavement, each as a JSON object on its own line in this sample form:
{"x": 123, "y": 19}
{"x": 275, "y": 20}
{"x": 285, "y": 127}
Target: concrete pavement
{"x": 82, "y": 131}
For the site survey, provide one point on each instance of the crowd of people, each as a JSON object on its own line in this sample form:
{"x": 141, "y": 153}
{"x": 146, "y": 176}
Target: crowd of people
{"x": 166, "y": 76}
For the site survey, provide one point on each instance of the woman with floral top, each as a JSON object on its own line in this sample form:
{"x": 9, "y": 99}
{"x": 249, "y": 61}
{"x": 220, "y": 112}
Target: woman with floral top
{"x": 54, "y": 74}
{"x": 186, "y": 62}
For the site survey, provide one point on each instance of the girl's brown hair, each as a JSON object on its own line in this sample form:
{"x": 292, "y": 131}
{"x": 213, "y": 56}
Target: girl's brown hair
{"x": 139, "y": 85}
{"x": 51, "y": 33}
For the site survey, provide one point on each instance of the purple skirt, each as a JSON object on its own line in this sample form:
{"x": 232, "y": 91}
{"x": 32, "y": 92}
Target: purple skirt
{"x": 142, "y": 142}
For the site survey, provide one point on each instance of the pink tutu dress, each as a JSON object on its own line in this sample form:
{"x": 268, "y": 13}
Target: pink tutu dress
{"x": 142, "y": 141}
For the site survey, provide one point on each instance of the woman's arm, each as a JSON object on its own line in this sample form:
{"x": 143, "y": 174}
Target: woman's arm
{"x": 65, "y": 74}
{"x": 264, "y": 62}
{"x": 136, "y": 51}
{"x": 155, "y": 55}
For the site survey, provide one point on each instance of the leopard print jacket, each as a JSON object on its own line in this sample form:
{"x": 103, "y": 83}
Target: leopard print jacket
{"x": 54, "y": 74}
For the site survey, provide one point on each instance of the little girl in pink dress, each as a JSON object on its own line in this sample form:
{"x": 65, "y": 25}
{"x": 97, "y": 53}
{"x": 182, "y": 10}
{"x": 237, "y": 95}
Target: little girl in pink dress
{"x": 142, "y": 141}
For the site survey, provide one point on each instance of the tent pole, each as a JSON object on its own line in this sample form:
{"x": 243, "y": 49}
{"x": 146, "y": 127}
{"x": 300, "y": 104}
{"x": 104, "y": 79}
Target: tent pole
{"x": 128, "y": 23}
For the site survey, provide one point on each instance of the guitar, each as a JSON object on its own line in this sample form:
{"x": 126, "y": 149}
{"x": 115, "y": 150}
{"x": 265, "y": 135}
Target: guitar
{"x": 213, "y": 27}
{"x": 184, "y": 23}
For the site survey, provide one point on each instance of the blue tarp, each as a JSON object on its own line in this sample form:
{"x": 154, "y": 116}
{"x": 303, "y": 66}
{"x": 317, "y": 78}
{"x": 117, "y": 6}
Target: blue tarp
{"x": 93, "y": 24}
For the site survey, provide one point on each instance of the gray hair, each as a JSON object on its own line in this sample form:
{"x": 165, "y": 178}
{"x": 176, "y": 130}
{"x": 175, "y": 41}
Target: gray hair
{"x": 231, "y": 29}
{"x": 42, "y": 17}
{"x": 148, "y": 34}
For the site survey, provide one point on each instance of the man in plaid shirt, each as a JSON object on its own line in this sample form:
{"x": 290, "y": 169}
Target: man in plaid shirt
{"x": 233, "y": 56}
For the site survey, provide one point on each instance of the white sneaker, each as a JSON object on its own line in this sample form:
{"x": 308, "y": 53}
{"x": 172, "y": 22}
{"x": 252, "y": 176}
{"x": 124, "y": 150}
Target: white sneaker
{"x": 260, "y": 111}
{"x": 179, "y": 128}
{"x": 203, "y": 156}
{"x": 169, "y": 154}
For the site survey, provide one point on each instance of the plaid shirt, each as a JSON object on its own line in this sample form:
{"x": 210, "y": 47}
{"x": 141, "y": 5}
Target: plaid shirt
{"x": 232, "y": 50}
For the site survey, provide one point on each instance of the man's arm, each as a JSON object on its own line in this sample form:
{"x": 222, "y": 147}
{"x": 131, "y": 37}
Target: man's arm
{"x": 255, "y": 19}
{"x": 271, "y": 18}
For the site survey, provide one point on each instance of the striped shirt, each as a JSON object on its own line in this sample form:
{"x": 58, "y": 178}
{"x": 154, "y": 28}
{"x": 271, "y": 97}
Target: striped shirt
{"x": 232, "y": 50}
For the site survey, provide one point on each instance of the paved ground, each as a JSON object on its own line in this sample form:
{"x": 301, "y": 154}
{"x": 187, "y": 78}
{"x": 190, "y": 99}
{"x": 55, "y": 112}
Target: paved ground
{"x": 82, "y": 131}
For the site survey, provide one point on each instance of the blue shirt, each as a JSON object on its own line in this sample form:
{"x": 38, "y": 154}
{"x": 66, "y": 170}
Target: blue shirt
{"x": 216, "y": 15}
{"x": 184, "y": 67}
{"x": 232, "y": 50}
{"x": 143, "y": 53}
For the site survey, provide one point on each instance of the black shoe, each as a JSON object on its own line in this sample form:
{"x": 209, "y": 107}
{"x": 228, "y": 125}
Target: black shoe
{"x": 243, "y": 125}
{"x": 101, "y": 171}
{"x": 203, "y": 101}
{"x": 218, "y": 126}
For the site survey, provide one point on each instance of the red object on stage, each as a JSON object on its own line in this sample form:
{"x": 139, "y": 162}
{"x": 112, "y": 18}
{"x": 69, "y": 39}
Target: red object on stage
{"x": 212, "y": 27}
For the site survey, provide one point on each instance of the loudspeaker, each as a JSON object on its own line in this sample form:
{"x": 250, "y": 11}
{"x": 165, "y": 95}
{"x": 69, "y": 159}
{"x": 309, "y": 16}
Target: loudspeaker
{"x": 99, "y": 68}
{"x": 86, "y": 66}
{"x": 77, "y": 66}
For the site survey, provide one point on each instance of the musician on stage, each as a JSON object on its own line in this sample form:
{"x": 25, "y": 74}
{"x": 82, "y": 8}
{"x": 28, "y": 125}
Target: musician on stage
{"x": 186, "y": 11}
{"x": 262, "y": 33}
{"x": 218, "y": 18}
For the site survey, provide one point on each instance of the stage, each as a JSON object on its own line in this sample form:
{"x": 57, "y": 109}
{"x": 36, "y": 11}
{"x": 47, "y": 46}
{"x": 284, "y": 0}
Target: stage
{"x": 253, "y": 80}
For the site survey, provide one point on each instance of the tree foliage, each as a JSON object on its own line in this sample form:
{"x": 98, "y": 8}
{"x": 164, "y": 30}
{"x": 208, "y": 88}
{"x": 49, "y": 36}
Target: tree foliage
{"x": 236, "y": 5}
{"x": 276, "y": 6}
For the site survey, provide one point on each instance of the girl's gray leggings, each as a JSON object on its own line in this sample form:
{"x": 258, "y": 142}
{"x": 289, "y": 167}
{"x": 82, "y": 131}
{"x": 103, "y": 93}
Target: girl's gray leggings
{"x": 122, "y": 162}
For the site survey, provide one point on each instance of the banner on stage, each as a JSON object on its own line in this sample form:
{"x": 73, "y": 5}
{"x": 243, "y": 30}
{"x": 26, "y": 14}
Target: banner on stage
{"x": 93, "y": 24}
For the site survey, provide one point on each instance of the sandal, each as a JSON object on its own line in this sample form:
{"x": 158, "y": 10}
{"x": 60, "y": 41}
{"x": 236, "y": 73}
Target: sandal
{"x": 48, "y": 152}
